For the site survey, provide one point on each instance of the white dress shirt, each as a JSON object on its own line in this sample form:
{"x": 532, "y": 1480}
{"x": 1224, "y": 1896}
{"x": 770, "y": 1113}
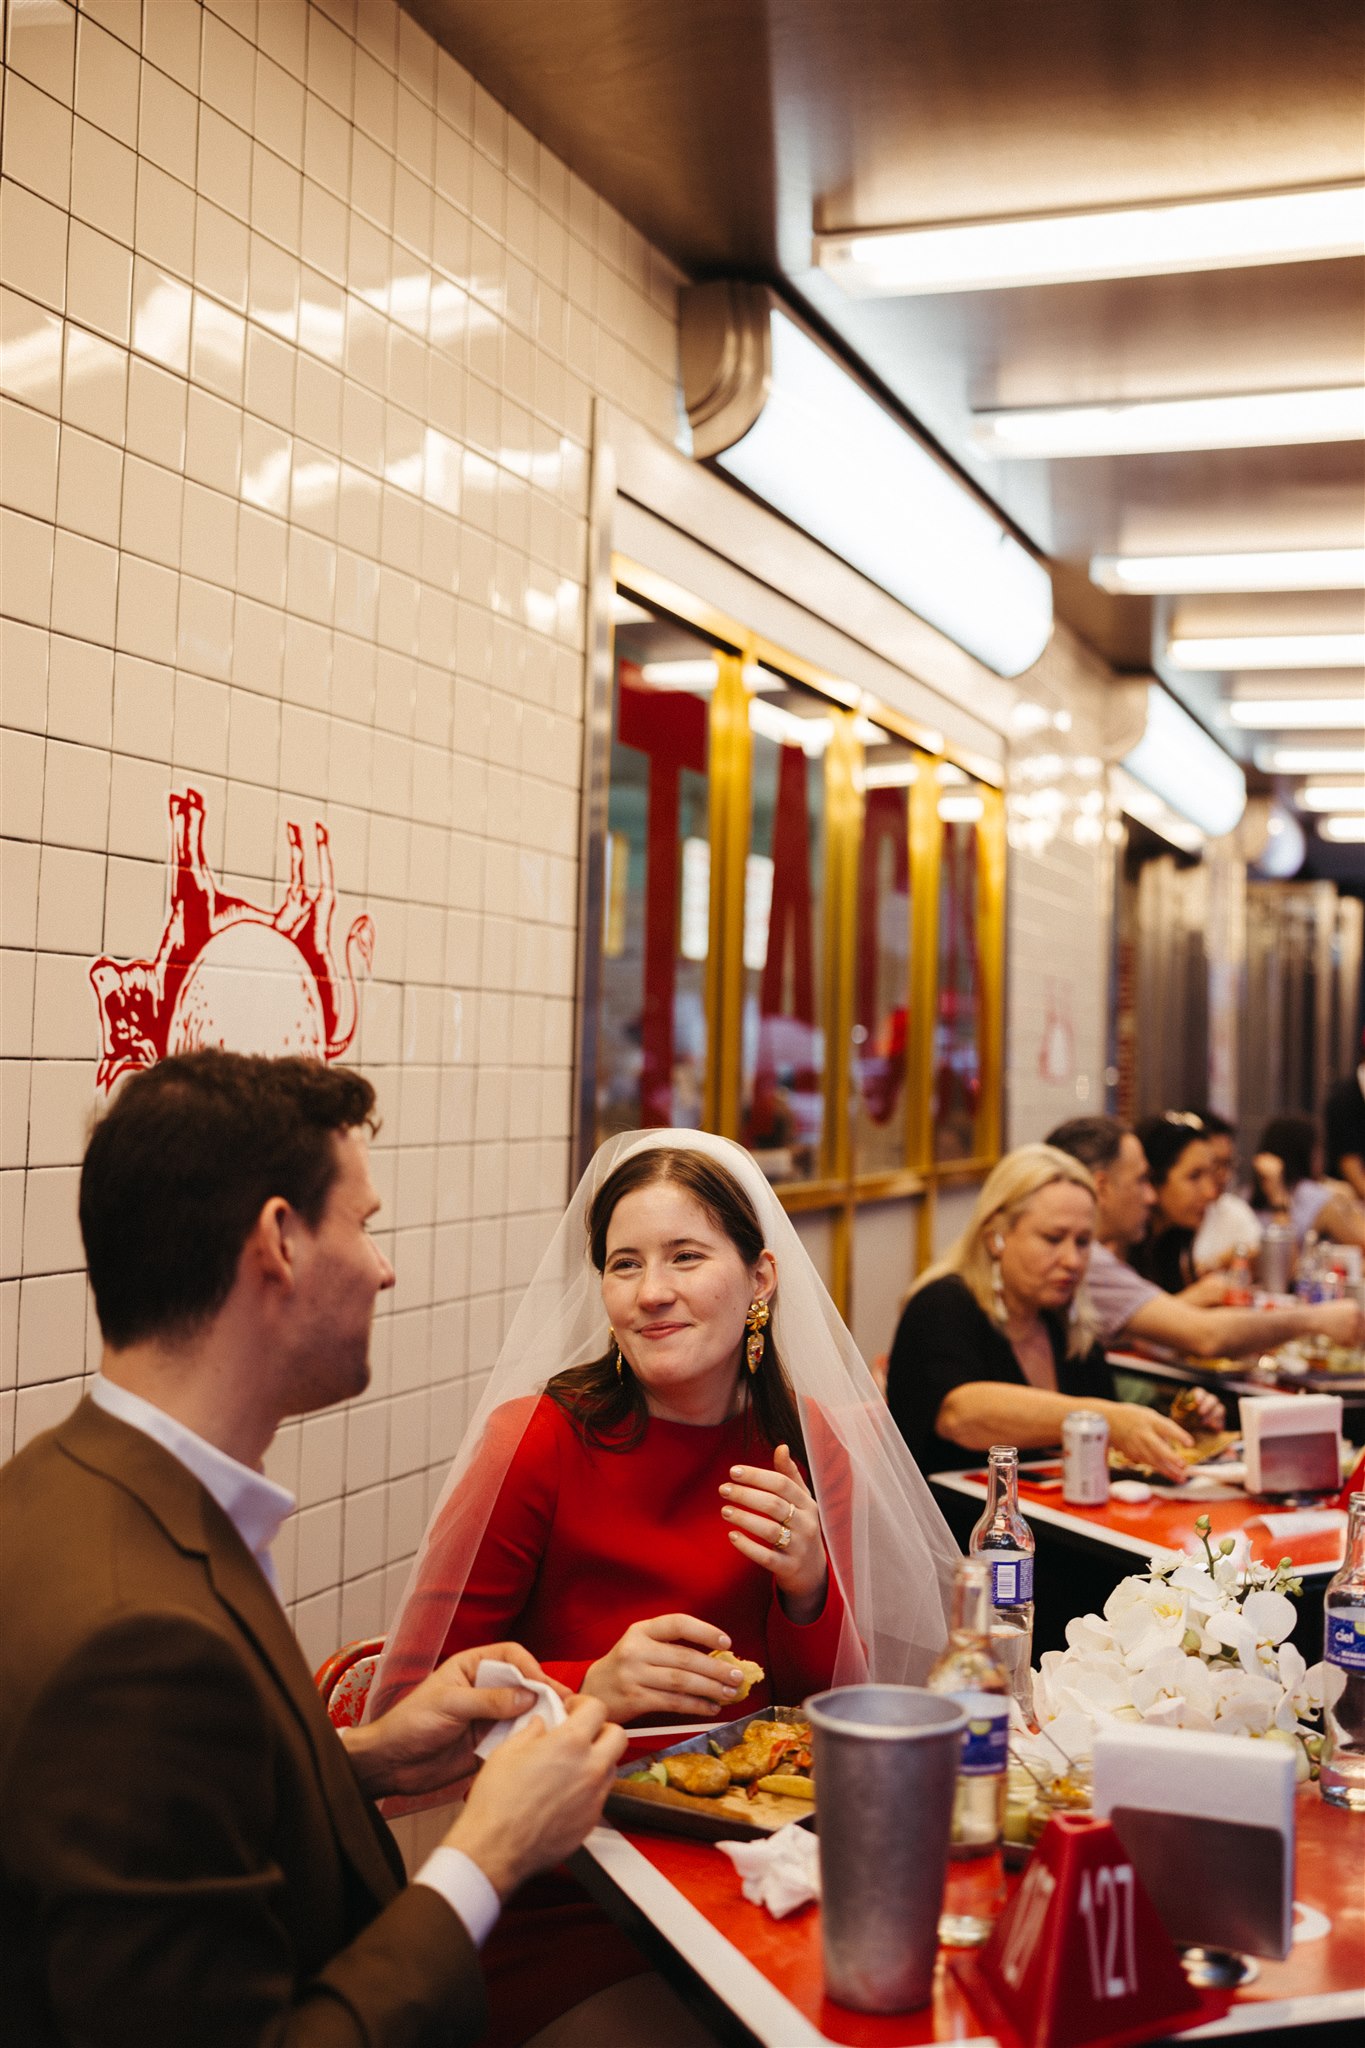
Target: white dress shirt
{"x": 257, "y": 1509}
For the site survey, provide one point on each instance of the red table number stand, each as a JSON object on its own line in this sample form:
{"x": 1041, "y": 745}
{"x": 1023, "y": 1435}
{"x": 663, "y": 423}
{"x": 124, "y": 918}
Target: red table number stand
{"x": 1079, "y": 1958}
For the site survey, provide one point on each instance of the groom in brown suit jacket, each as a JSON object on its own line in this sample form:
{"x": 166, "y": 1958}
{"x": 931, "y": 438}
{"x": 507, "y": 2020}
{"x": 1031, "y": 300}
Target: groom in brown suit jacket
{"x": 189, "y": 1854}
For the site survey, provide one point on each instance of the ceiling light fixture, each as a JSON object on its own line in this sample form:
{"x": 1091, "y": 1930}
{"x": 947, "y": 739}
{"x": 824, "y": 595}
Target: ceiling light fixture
{"x": 679, "y": 675}
{"x": 1331, "y": 796}
{"x": 1298, "y": 714}
{"x": 1187, "y": 769}
{"x": 783, "y": 417}
{"x": 1266, "y": 569}
{"x": 1311, "y": 760}
{"x": 1146, "y": 426}
{"x": 1122, "y": 241}
{"x": 1343, "y": 828}
{"x": 1268, "y": 650}
{"x": 890, "y": 774}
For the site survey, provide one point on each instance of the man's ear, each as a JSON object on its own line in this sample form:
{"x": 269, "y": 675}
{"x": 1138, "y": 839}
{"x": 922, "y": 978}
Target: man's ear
{"x": 272, "y": 1244}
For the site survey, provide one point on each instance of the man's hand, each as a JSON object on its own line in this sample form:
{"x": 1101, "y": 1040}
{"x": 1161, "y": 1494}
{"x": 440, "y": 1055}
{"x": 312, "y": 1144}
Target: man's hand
{"x": 426, "y": 1742}
{"x": 537, "y": 1797}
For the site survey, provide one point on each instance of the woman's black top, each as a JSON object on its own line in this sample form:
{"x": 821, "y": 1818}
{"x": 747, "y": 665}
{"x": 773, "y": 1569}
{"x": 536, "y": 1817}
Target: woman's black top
{"x": 1167, "y": 1259}
{"x": 945, "y": 1339}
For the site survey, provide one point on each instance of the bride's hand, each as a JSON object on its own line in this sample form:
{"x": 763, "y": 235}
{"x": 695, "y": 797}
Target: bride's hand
{"x": 774, "y": 1520}
{"x": 653, "y": 1670}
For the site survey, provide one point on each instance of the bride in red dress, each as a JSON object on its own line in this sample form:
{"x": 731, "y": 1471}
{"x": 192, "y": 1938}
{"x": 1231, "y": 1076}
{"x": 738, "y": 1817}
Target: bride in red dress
{"x": 718, "y": 1474}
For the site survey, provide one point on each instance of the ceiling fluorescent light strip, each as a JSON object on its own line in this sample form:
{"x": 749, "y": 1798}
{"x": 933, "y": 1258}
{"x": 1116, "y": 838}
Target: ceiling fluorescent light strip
{"x": 1331, "y": 796}
{"x": 1226, "y": 233}
{"x": 1263, "y": 569}
{"x": 1298, "y": 714}
{"x": 1343, "y": 829}
{"x": 1266, "y": 650}
{"x": 1147, "y": 426}
{"x": 1177, "y": 760}
{"x": 1311, "y": 760}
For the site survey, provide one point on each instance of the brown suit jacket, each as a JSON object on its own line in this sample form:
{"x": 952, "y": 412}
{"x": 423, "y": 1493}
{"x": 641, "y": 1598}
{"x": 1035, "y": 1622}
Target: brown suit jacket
{"x": 186, "y": 1859}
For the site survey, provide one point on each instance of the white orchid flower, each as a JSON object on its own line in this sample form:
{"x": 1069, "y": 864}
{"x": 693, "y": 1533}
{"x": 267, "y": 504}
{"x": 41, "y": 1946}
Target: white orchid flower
{"x": 1270, "y": 1614}
{"x": 1175, "y": 1691}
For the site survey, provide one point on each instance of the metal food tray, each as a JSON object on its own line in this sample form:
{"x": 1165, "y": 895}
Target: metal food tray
{"x": 734, "y": 1817}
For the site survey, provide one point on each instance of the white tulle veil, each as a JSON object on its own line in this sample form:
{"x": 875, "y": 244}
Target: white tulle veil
{"x": 890, "y": 1549}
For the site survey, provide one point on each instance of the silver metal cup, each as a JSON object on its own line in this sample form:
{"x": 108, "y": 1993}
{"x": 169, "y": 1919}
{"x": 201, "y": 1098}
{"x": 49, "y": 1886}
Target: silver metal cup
{"x": 1275, "y": 1264}
{"x": 885, "y": 1769}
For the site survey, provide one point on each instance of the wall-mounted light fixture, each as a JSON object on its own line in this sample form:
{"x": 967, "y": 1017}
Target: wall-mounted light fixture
{"x": 1119, "y": 241}
{"x": 1299, "y": 714}
{"x": 1177, "y": 760}
{"x": 782, "y": 416}
{"x": 1331, "y": 796}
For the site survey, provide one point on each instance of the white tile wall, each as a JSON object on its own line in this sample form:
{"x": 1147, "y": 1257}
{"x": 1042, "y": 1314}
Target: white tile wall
{"x": 300, "y": 338}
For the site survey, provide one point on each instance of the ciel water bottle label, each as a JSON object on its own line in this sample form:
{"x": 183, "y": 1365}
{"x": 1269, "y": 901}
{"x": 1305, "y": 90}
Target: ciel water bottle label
{"x": 1011, "y": 1578}
{"x": 986, "y": 1742}
{"x": 1346, "y": 1638}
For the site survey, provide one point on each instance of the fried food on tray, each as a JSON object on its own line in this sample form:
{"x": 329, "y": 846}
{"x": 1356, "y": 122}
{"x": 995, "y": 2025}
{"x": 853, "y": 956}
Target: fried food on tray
{"x": 751, "y": 1674}
{"x": 763, "y": 1743}
{"x": 704, "y": 1776}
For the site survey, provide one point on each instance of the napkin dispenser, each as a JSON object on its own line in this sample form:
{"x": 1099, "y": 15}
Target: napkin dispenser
{"x": 1208, "y": 1821}
{"x": 1292, "y": 1442}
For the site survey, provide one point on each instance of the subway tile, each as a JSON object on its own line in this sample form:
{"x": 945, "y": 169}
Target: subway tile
{"x": 331, "y": 64}
{"x": 282, "y": 32}
{"x": 165, "y": 220}
{"x": 146, "y": 609}
{"x": 80, "y": 694}
{"x": 201, "y": 724}
{"x": 221, "y": 244}
{"x": 152, "y": 509}
{"x": 213, "y": 441}
{"x": 279, "y": 111}
{"x": 30, "y": 353}
{"x": 17, "y": 975}
{"x": 107, "y": 81}
{"x": 36, "y": 140}
{"x": 41, "y": 46}
{"x": 224, "y": 171}
{"x": 52, "y": 1238}
{"x": 26, "y": 558}
{"x": 208, "y": 535}
{"x": 217, "y": 348}
{"x": 70, "y": 901}
{"x": 28, "y": 460}
{"x": 204, "y": 625}
{"x": 227, "y": 72}
{"x": 19, "y": 884}
{"x": 156, "y": 417}
{"x": 137, "y": 804}
{"x": 122, "y": 18}
{"x": 161, "y": 317}
{"x": 51, "y": 1328}
{"x": 170, "y": 40}
{"x": 276, "y": 198}
{"x": 32, "y": 245}
{"x": 168, "y": 125}
{"x": 95, "y": 385}
{"x": 89, "y": 485}
{"x": 143, "y": 708}
{"x": 22, "y": 761}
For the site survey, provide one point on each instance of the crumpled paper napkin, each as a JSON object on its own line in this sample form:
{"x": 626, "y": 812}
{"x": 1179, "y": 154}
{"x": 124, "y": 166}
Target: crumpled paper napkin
{"x": 548, "y": 1708}
{"x": 782, "y": 1872}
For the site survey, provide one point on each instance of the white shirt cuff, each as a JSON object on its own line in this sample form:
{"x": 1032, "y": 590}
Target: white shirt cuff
{"x": 464, "y": 1888}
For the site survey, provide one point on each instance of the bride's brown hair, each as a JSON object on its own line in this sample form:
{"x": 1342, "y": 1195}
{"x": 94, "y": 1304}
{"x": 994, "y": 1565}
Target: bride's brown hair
{"x": 609, "y": 1408}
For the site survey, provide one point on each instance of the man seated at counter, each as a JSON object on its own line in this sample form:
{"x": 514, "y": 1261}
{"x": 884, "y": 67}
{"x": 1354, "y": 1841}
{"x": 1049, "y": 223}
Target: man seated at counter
{"x": 1127, "y": 1307}
{"x": 996, "y": 1343}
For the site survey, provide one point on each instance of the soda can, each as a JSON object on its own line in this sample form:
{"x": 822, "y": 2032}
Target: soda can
{"x": 1085, "y": 1459}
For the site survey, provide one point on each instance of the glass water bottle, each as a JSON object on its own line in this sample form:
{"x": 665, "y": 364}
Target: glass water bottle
{"x": 969, "y": 1672}
{"x": 1342, "y": 1772}
{"x": 1003, "y": 1540}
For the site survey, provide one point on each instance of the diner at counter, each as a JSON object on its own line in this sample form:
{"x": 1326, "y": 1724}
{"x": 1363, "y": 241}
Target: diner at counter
{"x": 1128, "y": 1307}
{"x": 997, "y": 1341}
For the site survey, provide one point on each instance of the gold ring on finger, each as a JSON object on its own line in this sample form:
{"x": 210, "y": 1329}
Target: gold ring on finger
{"x": 790, "y": 1514}
{"x": 784, "y": 1538}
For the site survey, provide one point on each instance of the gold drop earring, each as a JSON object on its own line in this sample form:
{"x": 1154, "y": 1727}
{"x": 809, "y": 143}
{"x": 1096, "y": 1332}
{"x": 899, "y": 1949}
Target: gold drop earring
{"x": 755, "y": 1322}
{"x": 616, "y": 1347}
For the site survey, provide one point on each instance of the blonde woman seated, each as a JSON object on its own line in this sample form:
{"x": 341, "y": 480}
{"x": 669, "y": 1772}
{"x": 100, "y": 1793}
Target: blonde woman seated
{"x": 996, "y": 1345}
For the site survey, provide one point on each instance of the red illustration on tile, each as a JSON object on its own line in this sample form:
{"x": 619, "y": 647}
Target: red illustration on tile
{"x": 229, "y": 973}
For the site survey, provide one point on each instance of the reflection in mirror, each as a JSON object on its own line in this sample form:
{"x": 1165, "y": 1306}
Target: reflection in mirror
{"x": 882, "y": 971}
{"x": 652, "y": 1048}
{"x": 782, "y": 1061}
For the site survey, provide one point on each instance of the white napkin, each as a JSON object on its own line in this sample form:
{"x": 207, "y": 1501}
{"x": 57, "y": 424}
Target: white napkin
{"x": 781, "y": 1872}
{"x": 548, "y": 1708}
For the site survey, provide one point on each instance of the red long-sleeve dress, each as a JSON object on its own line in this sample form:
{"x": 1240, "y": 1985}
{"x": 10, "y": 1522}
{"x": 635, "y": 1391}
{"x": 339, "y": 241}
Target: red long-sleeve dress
{"x": 584, "y": 1541}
